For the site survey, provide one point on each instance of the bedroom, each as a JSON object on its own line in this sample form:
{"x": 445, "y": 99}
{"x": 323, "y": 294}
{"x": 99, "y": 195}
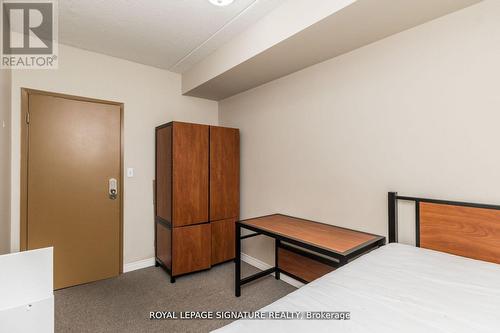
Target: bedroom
{"x": 337, "y": 104}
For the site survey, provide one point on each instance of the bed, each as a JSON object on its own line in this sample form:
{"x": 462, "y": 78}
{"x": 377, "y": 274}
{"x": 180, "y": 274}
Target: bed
{"x": 432, "y": 287}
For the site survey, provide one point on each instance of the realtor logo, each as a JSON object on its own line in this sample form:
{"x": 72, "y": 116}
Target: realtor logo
{"x": 29, "y": 34}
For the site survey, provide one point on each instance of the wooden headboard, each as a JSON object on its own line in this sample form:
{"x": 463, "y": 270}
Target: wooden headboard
{"x": 461, "y": 228}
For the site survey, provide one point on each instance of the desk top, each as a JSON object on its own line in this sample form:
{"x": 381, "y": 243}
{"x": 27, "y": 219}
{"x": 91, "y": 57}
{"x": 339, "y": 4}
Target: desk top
{"x": 325, "y": 236}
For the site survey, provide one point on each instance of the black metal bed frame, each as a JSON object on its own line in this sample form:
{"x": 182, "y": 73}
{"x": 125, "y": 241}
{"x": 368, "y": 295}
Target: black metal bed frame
{"x": 393, "y": 198}
{"x": 338, "y": 259}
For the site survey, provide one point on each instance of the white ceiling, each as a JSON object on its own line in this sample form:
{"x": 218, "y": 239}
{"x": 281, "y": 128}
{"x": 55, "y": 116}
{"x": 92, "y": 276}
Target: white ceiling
{"x": 169, "y": 34}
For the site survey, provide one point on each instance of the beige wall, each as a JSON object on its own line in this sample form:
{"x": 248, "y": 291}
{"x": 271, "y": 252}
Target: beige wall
{"x": 151, "y": 96}
{"x": 5, "y": 83}
{"x": 417, "y": 113}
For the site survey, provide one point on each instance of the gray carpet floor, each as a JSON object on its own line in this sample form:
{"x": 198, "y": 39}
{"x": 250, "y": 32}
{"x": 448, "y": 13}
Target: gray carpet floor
{"x": 123, "y": 304}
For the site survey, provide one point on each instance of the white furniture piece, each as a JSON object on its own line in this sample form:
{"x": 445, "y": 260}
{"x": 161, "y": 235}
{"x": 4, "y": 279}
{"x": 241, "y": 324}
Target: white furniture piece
{"x": 396, "y": 288}
{"x": 26, "y": 292}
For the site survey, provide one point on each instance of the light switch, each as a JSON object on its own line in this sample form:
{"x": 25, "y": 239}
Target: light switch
{"x": 130, "y": 172}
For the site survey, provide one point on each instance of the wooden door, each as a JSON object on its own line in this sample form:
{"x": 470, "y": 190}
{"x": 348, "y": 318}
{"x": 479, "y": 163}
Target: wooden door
{"x": 191, "y": 248}
{"x": 190, "y": 174}
{"x": 73, "y": 150}
{"x": 224, "y": 173}
{"x": 223, "y": 240}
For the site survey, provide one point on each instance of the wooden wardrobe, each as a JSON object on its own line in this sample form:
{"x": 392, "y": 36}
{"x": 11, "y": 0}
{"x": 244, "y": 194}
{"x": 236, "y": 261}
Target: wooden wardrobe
{"x": 196, "y": 196}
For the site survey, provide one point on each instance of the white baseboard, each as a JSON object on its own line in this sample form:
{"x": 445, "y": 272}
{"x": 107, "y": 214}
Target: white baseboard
{"x": 263, "y": 266}
{"x": 133, "y": 266}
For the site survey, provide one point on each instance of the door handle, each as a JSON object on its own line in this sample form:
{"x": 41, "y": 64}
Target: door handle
{"x": 113, "y": 188}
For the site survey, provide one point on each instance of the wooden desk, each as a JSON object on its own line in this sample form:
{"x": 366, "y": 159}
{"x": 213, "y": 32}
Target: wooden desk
{"x": 339, "y": 244}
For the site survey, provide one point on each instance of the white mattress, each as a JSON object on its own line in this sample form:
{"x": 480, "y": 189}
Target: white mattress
{"x": 396, "y": 288}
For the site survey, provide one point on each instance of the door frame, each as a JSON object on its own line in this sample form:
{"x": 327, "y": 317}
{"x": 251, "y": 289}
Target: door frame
{"x": 25, "y": 93}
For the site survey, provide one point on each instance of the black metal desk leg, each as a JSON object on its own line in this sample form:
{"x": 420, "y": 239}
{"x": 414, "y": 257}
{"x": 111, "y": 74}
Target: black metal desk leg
{"x": 237, "y": 261}
{"x": 277, "y": 243}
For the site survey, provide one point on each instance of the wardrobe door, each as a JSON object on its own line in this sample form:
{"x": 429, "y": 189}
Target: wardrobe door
{"x": 224, "y": 173}
{"x": 191, "y": 248}
{"x": 190, "y": 174}
{"x": 223, "y": 245}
